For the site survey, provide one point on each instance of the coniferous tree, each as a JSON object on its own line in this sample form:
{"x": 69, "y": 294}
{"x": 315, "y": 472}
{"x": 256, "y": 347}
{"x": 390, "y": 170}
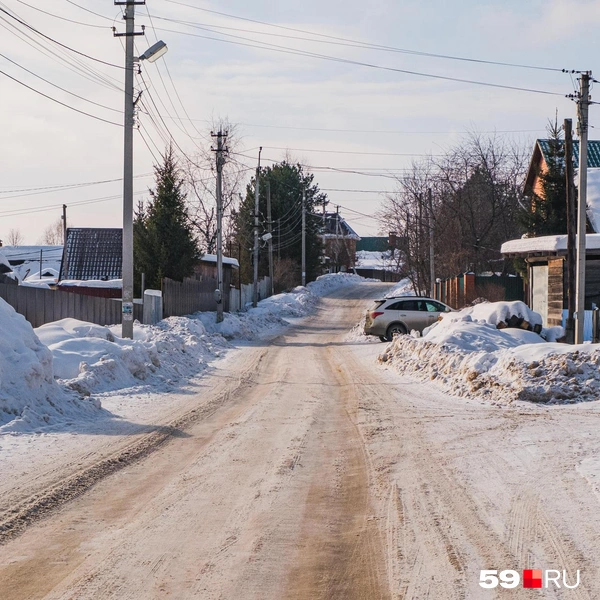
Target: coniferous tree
{"x": 164, "y": 243}
{"x": 547, "y": 212}
{"x": 286, "y": 182}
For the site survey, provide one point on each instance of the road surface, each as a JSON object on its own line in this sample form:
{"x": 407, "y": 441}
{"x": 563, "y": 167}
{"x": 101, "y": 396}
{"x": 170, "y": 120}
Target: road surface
{"x": 303, "y": 470}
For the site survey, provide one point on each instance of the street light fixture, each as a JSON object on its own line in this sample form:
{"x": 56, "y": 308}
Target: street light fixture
{"x": 154, "y": 52}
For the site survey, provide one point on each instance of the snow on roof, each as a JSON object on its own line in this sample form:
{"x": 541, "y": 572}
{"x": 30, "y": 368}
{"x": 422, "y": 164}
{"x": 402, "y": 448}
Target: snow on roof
{"x": 226, "y": 260}
{"x": 32, "y": 253}
{"x": 546, "y": 244}
{"x": 92, "y": 283}
{"x": 593, "y": 198}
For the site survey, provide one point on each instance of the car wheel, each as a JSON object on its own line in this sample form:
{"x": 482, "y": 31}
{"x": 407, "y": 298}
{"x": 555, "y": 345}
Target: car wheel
{"x": 395, "y": 328}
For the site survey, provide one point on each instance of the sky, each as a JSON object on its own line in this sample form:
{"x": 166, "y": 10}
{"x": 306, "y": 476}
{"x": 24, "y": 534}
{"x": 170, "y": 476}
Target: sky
{"x": 337, "y": 86}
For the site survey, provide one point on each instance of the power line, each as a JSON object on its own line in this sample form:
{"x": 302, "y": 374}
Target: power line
{"x": 59, "y": 102}
{"x": 59, "y": 17}
{"x": 55, "y": 188}
{"x": 370, "y": 45}
{"x": 58, "y": 86}
{"x": 98, "y": 60}
{"x": 349, "y": 152}
{"x": 286, "y": 50}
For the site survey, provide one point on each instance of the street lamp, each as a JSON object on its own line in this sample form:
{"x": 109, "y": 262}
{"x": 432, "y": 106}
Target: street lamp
{"x": 152, "y": 54}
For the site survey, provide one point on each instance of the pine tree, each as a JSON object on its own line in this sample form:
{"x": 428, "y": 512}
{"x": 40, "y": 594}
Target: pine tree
{"x": 164, "y": 244}
{"x": 547, "y": 213}
{"x": 286, "y": 183}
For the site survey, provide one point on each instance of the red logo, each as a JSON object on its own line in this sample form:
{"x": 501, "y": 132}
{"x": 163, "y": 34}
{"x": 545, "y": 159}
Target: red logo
{"x": 532, "y": 578}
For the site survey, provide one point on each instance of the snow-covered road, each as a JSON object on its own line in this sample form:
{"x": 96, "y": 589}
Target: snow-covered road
{"x": 301, "y": 468}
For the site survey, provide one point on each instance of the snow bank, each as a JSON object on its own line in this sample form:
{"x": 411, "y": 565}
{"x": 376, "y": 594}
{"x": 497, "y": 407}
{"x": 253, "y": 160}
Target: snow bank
{"x": 468, "y": 355}
{"x": 29, "y": 395}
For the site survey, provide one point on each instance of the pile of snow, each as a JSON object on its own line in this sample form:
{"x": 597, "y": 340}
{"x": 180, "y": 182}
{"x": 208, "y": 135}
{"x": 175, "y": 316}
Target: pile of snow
{"x": 55, "y": 369}
{"x": 29, "y": 395}
{"x": 468, "y": 355}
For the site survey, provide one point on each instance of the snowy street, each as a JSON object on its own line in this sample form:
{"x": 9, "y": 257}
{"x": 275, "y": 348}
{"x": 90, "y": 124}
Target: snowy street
{"x": 300, "y": 467}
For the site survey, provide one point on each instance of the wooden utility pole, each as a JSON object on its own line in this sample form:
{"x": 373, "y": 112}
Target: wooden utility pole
{"x": 220, "y": 160}
{"x": 303, "y": 236}
{"x": 583, "y": 104}
{"x": 431, "y": 253}
{"x": 256, "y": 224}
{"x": 571, "y": 231}
{"x": 270, "y": 241}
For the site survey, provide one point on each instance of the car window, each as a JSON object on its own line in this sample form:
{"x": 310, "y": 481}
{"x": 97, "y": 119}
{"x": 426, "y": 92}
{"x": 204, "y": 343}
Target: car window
{"x": 434, "y": 307}
{"x": 409, "y": 305}
{"x": 396, "y": 306}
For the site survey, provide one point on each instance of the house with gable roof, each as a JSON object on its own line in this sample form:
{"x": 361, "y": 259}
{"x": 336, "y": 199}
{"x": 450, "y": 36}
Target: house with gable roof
{"x": 545, "y": 256}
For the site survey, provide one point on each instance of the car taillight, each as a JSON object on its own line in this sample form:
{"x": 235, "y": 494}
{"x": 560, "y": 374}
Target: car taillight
{"x": 375, "y": 314}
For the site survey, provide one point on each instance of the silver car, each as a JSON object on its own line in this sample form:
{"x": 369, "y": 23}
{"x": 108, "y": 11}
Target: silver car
{"x": 398, "y": 315}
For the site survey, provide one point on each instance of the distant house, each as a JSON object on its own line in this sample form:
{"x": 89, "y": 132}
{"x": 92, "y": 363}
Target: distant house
{"x": 545, "y": 256}
{"x": 207, "y": 269}
{"x": 92, "y": 261}
{"x": 339, "y": 242}
{"x": 33, "y": 261}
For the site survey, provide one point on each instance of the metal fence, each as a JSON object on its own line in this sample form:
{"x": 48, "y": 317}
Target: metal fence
{"x": 40, "y": 306}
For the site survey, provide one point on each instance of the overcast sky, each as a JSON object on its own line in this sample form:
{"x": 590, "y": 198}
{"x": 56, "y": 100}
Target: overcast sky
{"x": 249, "y": 64}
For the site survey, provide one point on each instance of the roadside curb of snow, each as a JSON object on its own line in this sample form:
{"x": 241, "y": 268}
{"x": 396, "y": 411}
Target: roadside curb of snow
{"x": 500, "y": 377}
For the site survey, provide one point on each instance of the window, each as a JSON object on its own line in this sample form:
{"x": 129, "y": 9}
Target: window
{"x": 434, "y": 307}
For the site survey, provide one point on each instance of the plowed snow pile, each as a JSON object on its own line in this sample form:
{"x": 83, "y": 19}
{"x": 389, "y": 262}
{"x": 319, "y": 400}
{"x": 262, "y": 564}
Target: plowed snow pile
{"x": 29, "y": 395}
{"x": 52, "y": 372}
{"x": 468, "y": 355}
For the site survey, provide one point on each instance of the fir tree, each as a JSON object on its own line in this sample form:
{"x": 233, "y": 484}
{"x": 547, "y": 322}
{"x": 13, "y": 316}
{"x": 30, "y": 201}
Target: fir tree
{"x": 164, "y": 244}
{"x": 547, "y": 212}
{"x": 286, "y": 183}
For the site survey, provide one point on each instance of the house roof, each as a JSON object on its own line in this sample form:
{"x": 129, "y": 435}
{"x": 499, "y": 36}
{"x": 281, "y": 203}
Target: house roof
{"x": 541, "y": 151}
{"x": 336, "y": 225}
{"x": 547, "y": 245}
{"x": 212, "y": 258}
{"x": 92, "y": 253}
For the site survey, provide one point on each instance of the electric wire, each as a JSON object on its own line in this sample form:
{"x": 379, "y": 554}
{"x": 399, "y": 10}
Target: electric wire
{"x": 369, "y": 44}
{"x": 51, "y": 39}
{"x": 59, "y": 102}
{"x": 58, "y": 86}
{"x": 286, "y": 50}
{"x": 59, "y": 17}
{"x": 71, "y": 62}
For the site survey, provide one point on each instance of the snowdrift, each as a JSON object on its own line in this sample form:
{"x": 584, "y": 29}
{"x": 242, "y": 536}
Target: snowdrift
{"x": 468, "y": 355}
{"x": 29, "y": 395}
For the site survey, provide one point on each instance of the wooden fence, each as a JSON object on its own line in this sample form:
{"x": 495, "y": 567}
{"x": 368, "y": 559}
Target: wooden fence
{"x": 40, "y": 306}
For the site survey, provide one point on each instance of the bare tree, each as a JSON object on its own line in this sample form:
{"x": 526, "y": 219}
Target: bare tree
{"x": 201, "y": 173}
{"x": 476, "y": 188}
{"x": 15, "y": 237}
{"x": 53, "y": 234}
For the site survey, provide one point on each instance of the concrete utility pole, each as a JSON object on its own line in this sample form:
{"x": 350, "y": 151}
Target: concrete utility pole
{"x": 220, "y": 150}
{"x": 431, "y": 253}
{"x": 256, "y": 224}
{"x": 270, "y": 241}
{"x": 582, "y": 130}
{"x": 64, "y": 224}
{"x": 303, "y": 236}
{"x": 571, "y": 231}
{"x": 127, "y": 274}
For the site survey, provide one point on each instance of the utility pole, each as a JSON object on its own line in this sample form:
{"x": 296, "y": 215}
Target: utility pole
{"x": 220, "y": 150}
{"x": 127, "y": 274}
{"x": 64, "y": 224}
{"x": 583, "y": 103}
{"x": 270, "y": 242}
{"x": 337, "y": 239}
{"x": 303, "y": 236}
{"x": 431, "y": 253}
{"x": 256, "y": 207}
{"x": 571, "y": 231}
